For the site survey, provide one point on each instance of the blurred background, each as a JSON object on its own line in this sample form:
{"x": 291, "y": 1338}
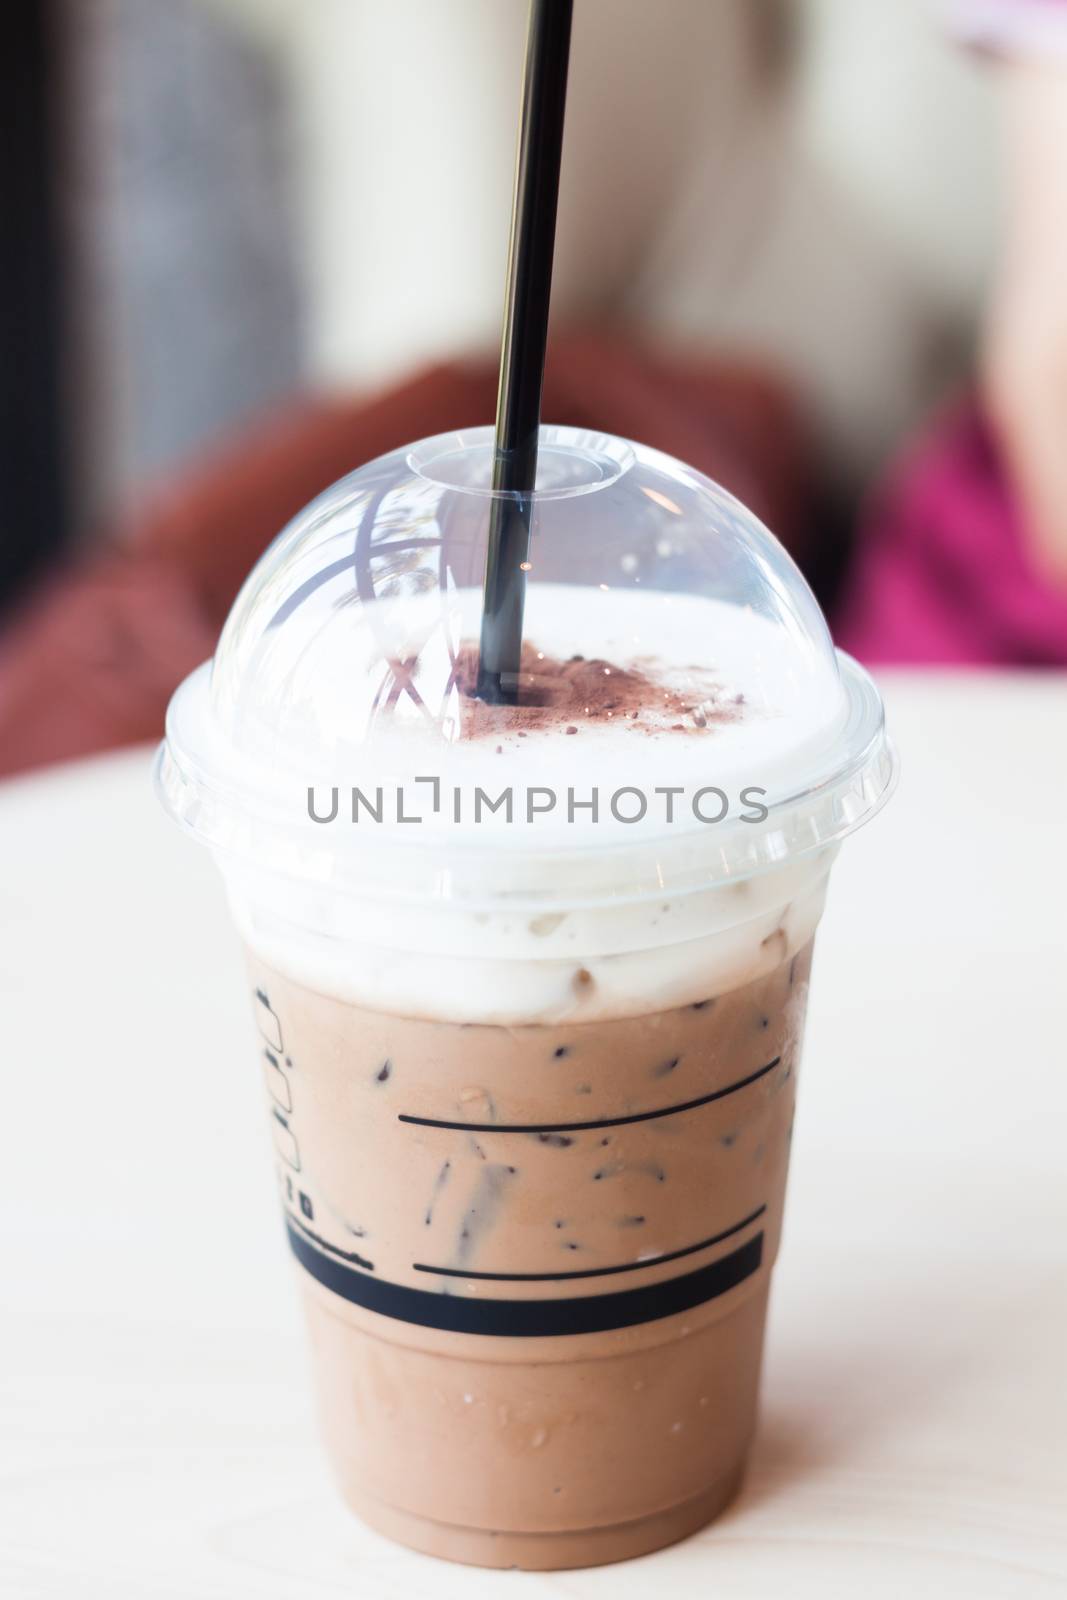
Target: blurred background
{"x": 815, "y": 247}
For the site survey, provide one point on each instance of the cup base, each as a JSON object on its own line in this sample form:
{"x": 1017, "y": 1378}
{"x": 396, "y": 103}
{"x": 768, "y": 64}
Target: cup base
{"x": 545, "y": 1552}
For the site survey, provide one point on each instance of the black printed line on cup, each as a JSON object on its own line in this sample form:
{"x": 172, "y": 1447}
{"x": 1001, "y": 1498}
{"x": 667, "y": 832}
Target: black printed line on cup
{"x": 324, "y": 1244}
{"x": 597, "y": 1272}
{"x": 600, "y": 1122}
{"x": 575, "y": 1314}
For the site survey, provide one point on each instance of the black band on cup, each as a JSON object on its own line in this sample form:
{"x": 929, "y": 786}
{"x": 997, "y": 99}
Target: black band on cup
{"x": 519, "y": 1319}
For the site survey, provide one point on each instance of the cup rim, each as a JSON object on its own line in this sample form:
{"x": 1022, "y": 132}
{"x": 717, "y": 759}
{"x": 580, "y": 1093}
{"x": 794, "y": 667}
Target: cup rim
{"x": 591, "y": 459}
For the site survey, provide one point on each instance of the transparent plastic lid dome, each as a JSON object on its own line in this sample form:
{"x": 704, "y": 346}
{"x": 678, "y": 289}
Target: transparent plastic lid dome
{"x": 675, "y": 666}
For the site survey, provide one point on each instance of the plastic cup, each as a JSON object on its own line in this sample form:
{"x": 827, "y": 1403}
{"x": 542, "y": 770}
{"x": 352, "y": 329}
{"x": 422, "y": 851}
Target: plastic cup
{"x": 530, "y": 981}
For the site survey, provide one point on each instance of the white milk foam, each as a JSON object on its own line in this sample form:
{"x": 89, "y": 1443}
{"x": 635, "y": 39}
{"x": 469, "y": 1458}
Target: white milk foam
{"x": 590, "y": 944}
{"x": 512, "y": 968}
{"x": 323, "y": 707}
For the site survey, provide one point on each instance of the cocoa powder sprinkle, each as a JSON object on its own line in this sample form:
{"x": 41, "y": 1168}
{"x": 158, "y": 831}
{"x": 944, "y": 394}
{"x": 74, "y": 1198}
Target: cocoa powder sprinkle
{"x": 554, "y": 692}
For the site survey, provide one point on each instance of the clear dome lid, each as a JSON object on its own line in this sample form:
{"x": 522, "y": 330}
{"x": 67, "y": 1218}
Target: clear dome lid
{"x": 680, "y": 714}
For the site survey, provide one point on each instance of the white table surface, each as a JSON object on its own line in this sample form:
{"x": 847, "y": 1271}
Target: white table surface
{"x": 156, "y": 1435}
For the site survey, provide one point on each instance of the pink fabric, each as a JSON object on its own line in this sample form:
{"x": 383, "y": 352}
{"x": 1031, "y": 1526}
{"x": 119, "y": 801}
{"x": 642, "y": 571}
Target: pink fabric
{"x": 942, "y": 574}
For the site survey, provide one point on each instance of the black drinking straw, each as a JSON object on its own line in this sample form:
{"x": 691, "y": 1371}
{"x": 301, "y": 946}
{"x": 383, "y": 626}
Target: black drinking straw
{"x": 522, "y": 352}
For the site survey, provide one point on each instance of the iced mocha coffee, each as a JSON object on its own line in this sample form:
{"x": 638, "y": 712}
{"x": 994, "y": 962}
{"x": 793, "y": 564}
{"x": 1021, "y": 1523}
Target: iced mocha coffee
{"x": 530, "y": 1059}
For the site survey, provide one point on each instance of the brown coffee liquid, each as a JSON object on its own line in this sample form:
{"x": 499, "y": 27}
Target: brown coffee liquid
{"x": 535, "y": 1259}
